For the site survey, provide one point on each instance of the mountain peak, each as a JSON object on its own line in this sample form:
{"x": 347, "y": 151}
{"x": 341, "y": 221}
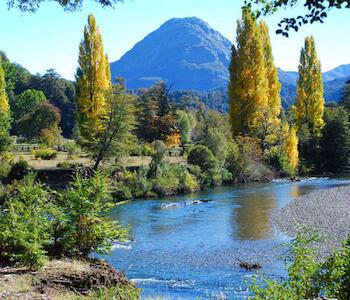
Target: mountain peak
{"x": 184, "y": 52}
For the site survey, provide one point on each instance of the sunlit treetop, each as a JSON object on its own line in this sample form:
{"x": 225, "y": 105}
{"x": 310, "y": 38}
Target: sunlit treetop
{"x": 317, "y": 11}
{"x": 70, "y": 5}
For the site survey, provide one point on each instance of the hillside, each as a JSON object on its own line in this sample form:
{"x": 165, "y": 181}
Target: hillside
{"x": 185, "y": 53}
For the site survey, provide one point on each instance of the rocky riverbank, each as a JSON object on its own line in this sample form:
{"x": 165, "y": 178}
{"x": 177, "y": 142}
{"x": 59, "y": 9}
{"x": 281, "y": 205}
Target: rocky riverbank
{"x": 326, "y": 211}
{"x": 66, "y": 279}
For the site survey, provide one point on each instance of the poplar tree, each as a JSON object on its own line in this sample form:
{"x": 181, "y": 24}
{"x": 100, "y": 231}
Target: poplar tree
{"x": 4, "y": 112}
{"x": 248, "y": 85}
{"x": 93, "y": 80}
{"x": 274, "y": 86}
{"x": 309, "y": 106}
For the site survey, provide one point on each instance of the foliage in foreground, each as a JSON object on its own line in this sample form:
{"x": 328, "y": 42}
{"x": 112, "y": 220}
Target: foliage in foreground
{"x": 37, "y": 222}
{"x": 308, "y": 278}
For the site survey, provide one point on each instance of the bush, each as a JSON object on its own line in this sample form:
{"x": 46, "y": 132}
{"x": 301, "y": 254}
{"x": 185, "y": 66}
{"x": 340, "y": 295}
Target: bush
{"x": 35, "y": 221}
{"x": 18, "y": 171}
{"x": 24, "y": 223}
{"x": 141, "y": 185}
{"x": 45, "y": 154}
{"x": 307, "y": 277}
{"x": 147, "y": 150}
{"x": 85, "y": 205}
{"x": 202, "y": 157}
{"x": 167, "y": 180}
{"x": 73, "y": 150}
{"x": 5, "y": 167}
{"x": 124, "y": 292}
{"x": 277, "y": 159}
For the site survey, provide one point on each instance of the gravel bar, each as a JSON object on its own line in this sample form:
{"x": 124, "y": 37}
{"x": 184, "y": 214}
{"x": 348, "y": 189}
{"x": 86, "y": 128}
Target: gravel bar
{"x": 326, "y": 211}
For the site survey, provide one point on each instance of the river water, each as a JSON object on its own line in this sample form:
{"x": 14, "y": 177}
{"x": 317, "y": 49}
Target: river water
{"x": 182, "y": 250}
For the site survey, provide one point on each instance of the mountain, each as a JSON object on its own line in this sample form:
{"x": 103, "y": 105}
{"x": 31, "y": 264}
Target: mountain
{"x": 333, "y": 81}
{"x": 189, "y": 55}
{"x": 341, "y": 72}
{"x": 186, "y": 53}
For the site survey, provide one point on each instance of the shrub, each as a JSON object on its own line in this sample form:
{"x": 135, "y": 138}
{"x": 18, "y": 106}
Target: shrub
{"x": 307, "y": 277}
{"x": 201, "y": 156}
{"x": 188, "y": 183}
{"x": 24, "y": 223}
{"x": 122, "y": 292}
{"x": 147, "y": 150}
{"x": 244, "y": 159}
{"x": 5, "y": 168}
{"x": 72, "y": 149}
{"x": 141, "y": 185}
{"x": 167, "y": 180}
{"x": 45, "y": 154}
{"x": 86, "y": 204}
{"x": 277, "y": 159}
{"x": 18, "y": 171}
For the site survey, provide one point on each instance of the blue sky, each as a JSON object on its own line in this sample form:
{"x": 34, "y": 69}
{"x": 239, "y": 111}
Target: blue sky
{"x": 50, "y": 37}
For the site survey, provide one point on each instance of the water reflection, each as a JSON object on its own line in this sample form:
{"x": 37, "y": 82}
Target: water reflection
{"x": 251, "y": 218}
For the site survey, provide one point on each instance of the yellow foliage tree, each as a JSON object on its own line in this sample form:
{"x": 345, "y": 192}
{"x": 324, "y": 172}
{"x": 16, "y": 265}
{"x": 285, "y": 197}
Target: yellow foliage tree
{"x": 173, "y": 139}
{"x": 291, "y": 147}
{"x": 4, "y": 103}
{"x": 309, "y": 106}
{"x": 274, "y": 86}
{"x": 4, "y": 111}
{"x": 248, "y": 86}
{"x": 254, "y": 87}
{"x": 93, "y": 80}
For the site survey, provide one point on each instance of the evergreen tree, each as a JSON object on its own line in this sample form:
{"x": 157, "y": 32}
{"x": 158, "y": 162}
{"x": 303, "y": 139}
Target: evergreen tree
{"x": 335, "y": 141}
{"x": 93, "y": 80}
{"x": 248, "y": 86}
{"x": 309, "y": 106}
{"x": 345, "y": 101}
{"x": 4, "y": 112}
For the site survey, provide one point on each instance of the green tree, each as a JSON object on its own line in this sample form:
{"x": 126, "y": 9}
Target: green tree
{"x": 217, "y": 143}
{"x": 26, "y": 102}
{"x": 38, "y": 123}
{"x": 317, "y": 11}
{"x": 156, "y": 116}
{"x": 4, "y": 112}
{"x": 186, "y": 123}
{"x": 335, "y": 141}
{"x": 85, "y": 206}
{"x": 309, "y": 106}
{"x": 93, "y": 80}
{"x": 206, "y": 165}
{"x": 61, "y": 93}
{"x": 248, "y": 85}
{"x": 159, "y": 159}
{"x": 116, "y": 138}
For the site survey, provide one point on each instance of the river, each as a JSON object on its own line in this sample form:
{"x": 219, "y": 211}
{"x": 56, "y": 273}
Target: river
{"x": 181, "y": 250}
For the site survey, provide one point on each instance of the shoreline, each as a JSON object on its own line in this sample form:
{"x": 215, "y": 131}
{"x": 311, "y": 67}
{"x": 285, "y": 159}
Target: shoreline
{"x": 327, "y": 212}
